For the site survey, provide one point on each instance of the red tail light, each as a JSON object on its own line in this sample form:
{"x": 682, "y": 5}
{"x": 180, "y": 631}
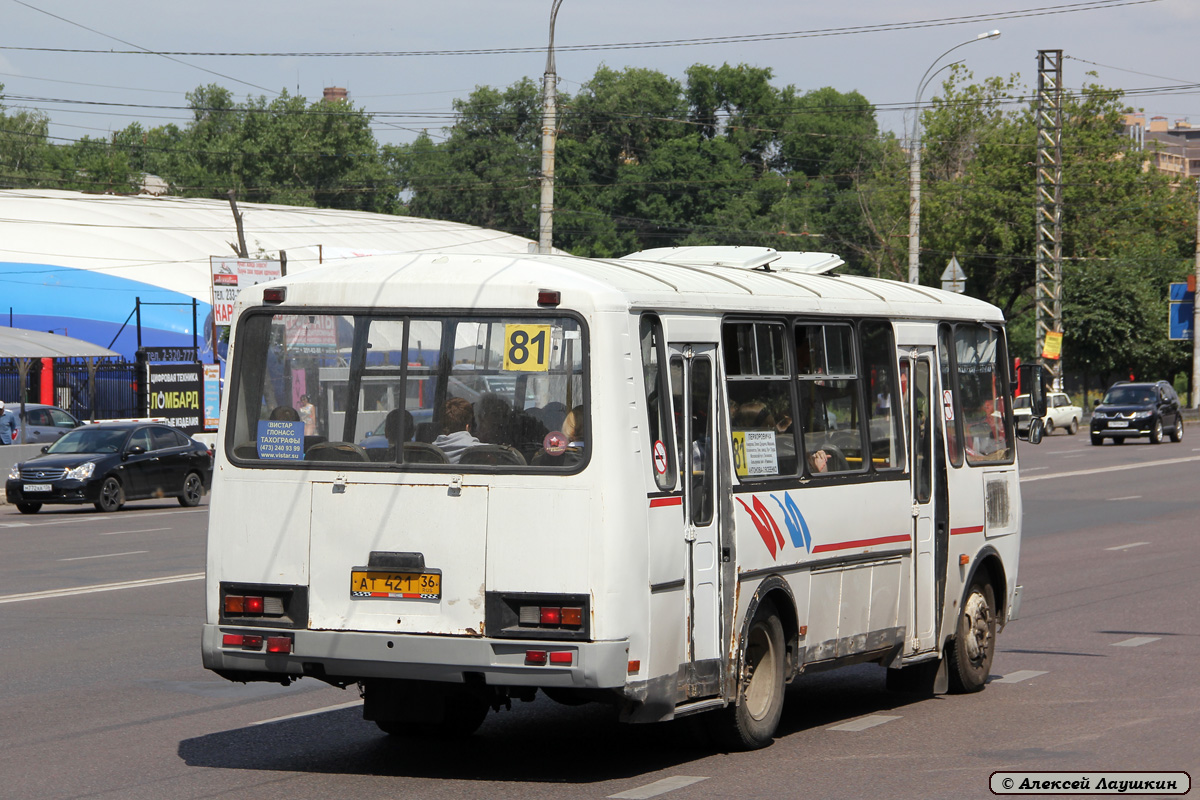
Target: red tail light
{"x": 279, "y": 644}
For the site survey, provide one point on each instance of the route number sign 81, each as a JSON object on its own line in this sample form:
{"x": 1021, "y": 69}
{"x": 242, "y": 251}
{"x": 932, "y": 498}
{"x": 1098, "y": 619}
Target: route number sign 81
{"x": 527, "y": 348}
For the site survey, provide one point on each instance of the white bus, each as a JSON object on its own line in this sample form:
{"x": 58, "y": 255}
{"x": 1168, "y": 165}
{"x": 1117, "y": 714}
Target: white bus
{"x": 670, "y": 482}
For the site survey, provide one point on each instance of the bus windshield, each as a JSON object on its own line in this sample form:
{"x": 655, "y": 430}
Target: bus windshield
{"x": 395, "y": 392}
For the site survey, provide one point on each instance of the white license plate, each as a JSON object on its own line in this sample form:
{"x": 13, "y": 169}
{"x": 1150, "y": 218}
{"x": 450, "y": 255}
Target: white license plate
{"x": 1118, "y": 424}
{"x": 38, "y": 487}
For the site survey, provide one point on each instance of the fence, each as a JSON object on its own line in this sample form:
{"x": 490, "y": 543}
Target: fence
{"x": 114, "y": 390}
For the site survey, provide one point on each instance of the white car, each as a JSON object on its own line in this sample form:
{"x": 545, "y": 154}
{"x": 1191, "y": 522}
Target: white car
{"x": 1060, "y": 413}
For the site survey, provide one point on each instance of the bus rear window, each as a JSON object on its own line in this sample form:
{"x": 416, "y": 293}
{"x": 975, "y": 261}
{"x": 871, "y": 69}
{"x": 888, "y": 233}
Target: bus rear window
{"x": 389, "y": 392}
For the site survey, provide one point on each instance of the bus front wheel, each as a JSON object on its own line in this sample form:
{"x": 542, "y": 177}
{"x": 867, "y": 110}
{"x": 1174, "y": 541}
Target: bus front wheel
{"x": 970, "y": 654}
{"x": 750, "y": 723}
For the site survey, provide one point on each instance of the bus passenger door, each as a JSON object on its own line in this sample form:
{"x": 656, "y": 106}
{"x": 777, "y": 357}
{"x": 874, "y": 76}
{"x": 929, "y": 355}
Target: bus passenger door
{"x": 917, "y": 386}
{"x": 693, "y": 393}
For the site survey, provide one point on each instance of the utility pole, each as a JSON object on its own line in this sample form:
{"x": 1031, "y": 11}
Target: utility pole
{"x": 1195, "y": 398}
{"x": 549, "y": 134}
{"x": 1048, "y": 256}
{"x": 914, "y": 161}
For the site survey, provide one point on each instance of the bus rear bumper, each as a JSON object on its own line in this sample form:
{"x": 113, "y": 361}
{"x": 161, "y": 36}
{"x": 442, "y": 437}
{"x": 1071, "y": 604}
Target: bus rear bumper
{"x": 349, "y": 656}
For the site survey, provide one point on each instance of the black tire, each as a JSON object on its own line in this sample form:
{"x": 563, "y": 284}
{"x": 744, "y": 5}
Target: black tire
{"x": 1073, "y": 428}
{"x": 1049, "y": 426}
{"x": 29, "y": 508}
{"x": 1156, "y": 433}
{"x": 750, "y": 722}
{"x": 193, "y": 490}
{"x": 112, "y": 495}
{"x": 1097, "y": 440}
{"x": 1177, "y": 433}
{"x": 969, "y": 656}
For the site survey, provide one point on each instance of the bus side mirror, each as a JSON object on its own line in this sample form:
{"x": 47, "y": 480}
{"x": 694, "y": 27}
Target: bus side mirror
{"x": 1036, "y": 429}
{"x": 1033, "y": 382}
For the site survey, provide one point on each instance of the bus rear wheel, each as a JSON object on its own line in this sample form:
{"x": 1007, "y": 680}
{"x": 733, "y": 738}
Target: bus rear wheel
{"x": 750, "y": 722}
{"x": 970, "y": 654}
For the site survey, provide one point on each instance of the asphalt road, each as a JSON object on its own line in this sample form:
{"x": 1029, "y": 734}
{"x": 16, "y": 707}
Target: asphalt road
{"x": 103, "y": 695}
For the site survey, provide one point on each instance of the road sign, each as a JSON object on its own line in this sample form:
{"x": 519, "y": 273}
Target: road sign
{"x": 953, "y": 277}
{"x": 1182, "y": 307}
{"x": 1181, "y": 321}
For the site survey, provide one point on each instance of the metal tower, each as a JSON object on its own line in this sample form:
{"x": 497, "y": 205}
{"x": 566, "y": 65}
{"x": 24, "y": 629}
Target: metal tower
{"x": 1048, "y": 292}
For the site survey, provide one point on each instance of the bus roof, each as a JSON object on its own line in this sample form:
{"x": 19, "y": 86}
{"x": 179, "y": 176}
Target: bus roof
{"x": 653, "y": 280}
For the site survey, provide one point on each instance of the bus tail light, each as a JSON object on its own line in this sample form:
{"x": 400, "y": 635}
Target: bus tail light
{"x": 246, "y": 641}
{"x": 265, "y": 604}
{"x": 537, "y": 658}
{"x": 279, "y": 644}
{"x": 537, "y": 616}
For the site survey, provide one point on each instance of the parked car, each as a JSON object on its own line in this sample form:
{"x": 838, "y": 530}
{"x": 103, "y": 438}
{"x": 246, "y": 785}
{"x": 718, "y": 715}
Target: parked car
{"x": 42, "y": 423}
{"x": 1138, "y": 409}
{"x": 109, "y": 463}
{"x": 1060, "y": 413}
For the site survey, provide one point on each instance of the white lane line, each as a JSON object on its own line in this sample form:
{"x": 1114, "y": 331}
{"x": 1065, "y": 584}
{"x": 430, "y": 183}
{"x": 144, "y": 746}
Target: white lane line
{"x": 1033, "y": 469}
{"x": 141, "y": 530}
{"x": 862, "y": 723}
{"x": 657, "y": 788}
{"x": 302, "y": 714}
{"x": 1020, "y": 675}
{"x": 1129, "y": 546}
{"x": 104, "y": 587}
{"x": 97, "y": 518}
{"x": 1137, "y": 641}
{"x": 1126, "y": 497}
{"x": 1119, "y": 468}
{"x": 106, "y": 555}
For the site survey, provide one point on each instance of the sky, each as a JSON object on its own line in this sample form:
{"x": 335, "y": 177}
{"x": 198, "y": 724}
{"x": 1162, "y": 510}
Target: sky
{"x": 879, "y": 48}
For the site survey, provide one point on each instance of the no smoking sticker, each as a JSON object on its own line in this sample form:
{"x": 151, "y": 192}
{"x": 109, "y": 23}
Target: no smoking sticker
{"x": 660, "y": 458}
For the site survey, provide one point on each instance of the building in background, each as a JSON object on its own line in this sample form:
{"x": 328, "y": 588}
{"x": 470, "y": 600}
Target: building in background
{"x": 75, "y": 263}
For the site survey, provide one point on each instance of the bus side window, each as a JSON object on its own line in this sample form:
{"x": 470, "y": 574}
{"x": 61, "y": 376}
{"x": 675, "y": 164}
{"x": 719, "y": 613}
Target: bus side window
{"x": 658, "y": 407}
{"x": 879, "y": 349}
{"x": 758, "y": 382}
{"x": 831, "y": 416}
{"x": 953, "y": 440}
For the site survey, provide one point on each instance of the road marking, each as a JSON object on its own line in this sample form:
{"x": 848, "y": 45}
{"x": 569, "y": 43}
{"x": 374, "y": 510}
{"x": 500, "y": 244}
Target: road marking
{"x": 106, "y": 555}
{"x": 103, "y": 587}
{"x": 315, "y": 711}
{"x": 1119, "y": 468}
{"x": 1137, "y": 641}
{"x": 1033, "y": 469}
{"x": 862, "y": 723}
{"x": 142, "y": 530}
{"x": 94, "y": 518}
{"x": 1126, "y": 497}
{"x": 1020, "y": 675}
{"x": 1127, "y": 546}
{"x": 657, "y": 788}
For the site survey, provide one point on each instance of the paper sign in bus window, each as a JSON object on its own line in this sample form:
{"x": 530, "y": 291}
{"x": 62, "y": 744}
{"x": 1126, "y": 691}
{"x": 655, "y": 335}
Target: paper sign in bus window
{"x": 280, "y": 439}
{"x": 527, "y": 348}
{"x": 755, "y": 453}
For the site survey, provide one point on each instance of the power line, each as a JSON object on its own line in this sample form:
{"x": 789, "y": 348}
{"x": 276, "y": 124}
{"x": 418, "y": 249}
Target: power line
{"x": 1068, "y": 8}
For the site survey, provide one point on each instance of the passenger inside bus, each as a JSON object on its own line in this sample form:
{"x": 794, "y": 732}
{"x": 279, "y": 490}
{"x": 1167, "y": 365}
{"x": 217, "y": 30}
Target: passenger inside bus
{"x": 457, "y": 420}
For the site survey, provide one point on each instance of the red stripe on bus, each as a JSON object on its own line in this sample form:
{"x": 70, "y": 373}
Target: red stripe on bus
{"x": 659, "y": 502}
{"x": 825, "y": 548}
{"x": 957, "y": 531}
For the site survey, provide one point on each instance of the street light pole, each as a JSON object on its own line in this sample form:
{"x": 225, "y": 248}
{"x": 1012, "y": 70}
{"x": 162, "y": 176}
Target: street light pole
{"x": 914, "y": 162}
{"x": 549, "y": 133}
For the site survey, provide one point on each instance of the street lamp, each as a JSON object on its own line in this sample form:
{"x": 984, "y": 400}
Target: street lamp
{"x": 549, "y": 124}
{"x": 914, "y": 161}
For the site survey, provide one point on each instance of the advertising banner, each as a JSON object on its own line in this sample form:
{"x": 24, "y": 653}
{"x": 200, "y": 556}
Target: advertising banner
{"x": 175, "y": 394}
{"x": 230, "y": 275}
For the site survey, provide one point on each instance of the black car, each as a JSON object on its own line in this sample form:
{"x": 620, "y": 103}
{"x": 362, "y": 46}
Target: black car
{"x": 1138, "y": 409}
{"x": 109, "y": 463}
